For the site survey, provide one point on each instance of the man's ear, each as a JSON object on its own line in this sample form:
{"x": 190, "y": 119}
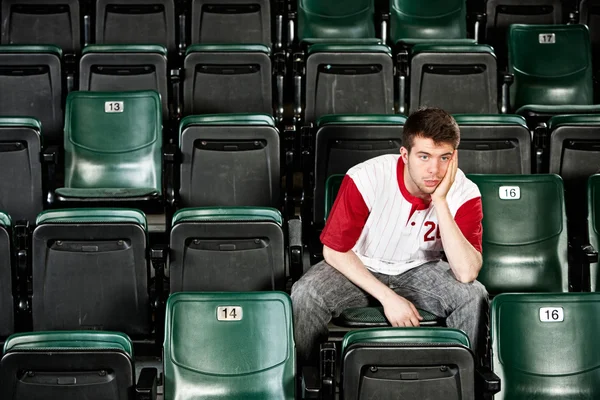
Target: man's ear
{"x": 404, "y": 154}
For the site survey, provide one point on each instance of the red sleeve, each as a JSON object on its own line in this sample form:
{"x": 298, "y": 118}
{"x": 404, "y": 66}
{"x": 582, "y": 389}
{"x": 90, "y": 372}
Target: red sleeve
{"x": 346, "y": 219}
{"x": 468, "y": 218}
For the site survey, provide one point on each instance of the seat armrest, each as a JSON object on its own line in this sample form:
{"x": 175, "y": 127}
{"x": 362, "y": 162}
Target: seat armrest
{"x": 295, "y": 248}
{"x": 486, "y": 381}
{"x": 311, "y": 386}
{"x": 146, "y": 385}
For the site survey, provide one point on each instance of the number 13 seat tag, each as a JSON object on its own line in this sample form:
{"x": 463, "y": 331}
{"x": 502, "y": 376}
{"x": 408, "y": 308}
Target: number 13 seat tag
{"x": 113, "y": 107}
{"x": 509, "y": 192}
{"x": 229, "y": 313}
{"x": 552, "y": 314}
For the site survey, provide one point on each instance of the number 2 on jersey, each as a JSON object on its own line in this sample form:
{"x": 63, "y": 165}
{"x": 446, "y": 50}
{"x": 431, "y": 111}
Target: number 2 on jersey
{"x": 429, "y": 235}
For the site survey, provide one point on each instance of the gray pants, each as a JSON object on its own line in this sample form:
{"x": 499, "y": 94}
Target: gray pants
{"x": 323, "y": 292}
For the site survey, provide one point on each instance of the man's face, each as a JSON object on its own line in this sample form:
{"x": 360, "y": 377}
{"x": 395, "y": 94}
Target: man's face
{"x": 426, "y": 165}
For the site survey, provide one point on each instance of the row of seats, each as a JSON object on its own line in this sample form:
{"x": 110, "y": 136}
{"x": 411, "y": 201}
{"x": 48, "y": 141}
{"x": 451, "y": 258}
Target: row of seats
{"x": 537, "y": 346}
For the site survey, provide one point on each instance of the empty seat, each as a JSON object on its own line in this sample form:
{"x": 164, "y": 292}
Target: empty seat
{"x": 348, "y": 79}
{"x": 541, "y": 345}
{"x": 45, "y": 22}
{"x": 67, "y": 365}
{"x": 135, "y": 22}
{"x": 31, "y": 86}
{"x": 574, "y": 155}
{"x": 112, "y": 147}
{"x": 229, "y": 160}
{"x": 90, "y": 271}
{"x": 589, "y": 14}
{"x": 230, "y": 345}
{"x": 593, "y": 221}
{"x": 494, "y": 144}
{"x": 116, "y": 68}
{"x": 6, "y": 282}
{"x": 342, "y": 141}
{"x": 20, "y": 168}
{"x": 503, "y": 13}
{"x": 413, "y": 21}
{"x": 328, "y": 20}
{"x": 545, "y": 83}
{"x": 459, "y": 79}
{"x": 227, "y": 249}
{"x": 247, "y": 21}
{"x": 524, "y": 233}
{"x": 227, "y": 79}
{"x": 427, "y": 363}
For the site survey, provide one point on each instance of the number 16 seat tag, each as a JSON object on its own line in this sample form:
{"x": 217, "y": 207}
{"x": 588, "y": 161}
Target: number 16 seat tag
{"x": 509, "y": 192}
{"x": 229, "y": 313}
{"x": 552, "y": 314}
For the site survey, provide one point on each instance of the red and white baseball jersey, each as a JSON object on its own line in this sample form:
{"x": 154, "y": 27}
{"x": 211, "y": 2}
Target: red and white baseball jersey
{"x": 390, "y": 230}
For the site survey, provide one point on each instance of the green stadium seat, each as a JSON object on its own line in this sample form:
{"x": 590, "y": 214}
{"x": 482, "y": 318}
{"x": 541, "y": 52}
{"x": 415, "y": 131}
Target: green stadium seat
{"x": 227, "y": 249}
{"x": 524, "y": 233}
{"x": 31, "y": 86}
{"x": 247, "y": 21}
{"x": 112, "y": 148}
{"x": 407, "y": 363}
{"x": 440, "y": 20}
{"x": 135, "y": 22}
{"x": 457, "y": 78}
{"x": 42, "y": 22}
{"x": 348, "y": 79}
{"x": 593, "y": 220}
{"x": 6, "y": 277}
{"x": 227, "y": 78}
{"x": 70, "y": 365}
{"x": 589, "y": 14}
{"x": 21, "y": 169}
{"x": 494, "y": 144}
{"x": 237, "y": 346}
{"x": 327, "y": 20}
{"x": 118, "y": 68}
{"x": 544, "y": 84}
{"x": 229, "y": 160}
{"x": 90, "y": 271}
{"x": 542, "y": 345}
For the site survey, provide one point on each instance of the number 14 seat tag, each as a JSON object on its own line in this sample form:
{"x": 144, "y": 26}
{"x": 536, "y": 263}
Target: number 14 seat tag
{"x": 229, "y": 313}
{"x": 552, "y": 314}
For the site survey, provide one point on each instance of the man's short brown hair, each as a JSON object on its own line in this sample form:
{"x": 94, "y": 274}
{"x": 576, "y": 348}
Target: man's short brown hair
{"x": 430, "y": 123}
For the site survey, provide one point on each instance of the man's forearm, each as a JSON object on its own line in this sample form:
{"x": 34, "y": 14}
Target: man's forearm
{"x": 465, "y": 261}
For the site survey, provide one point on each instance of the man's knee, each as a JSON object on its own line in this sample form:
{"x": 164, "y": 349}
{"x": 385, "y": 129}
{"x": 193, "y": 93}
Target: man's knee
{"x": 477, "y": 295}
{"x": 304, "y": 294}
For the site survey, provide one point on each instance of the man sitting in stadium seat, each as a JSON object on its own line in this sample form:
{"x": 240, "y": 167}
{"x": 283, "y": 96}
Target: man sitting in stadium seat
{"x": 391, "y": 220}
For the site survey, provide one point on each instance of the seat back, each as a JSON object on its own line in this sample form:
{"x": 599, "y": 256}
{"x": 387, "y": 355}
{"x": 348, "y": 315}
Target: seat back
{"x": 327, "y": 20}
{"x": 42, "y": 22}
{"x": 20, "y": 168}
{"x": 247, "y": 21}
{"x": 494, "y": 144}
{"x": 589, "y": 14}
{"x": 227, "y": 78}
{"x": 67, "y": 365}
{"x": 117, "y": 68}
{"x": 593, "y": 220}
{"x": 227, "y": 249}
{"x": 348, "y": 79}
{"x": 113, "y": 140}
{"x": 407, "y": 363}
{"x": 343, "y": 141}
{"x": 229, "y": 160}
{"x": 439, "y": 19}
{"x": 524, "y": 233}
{"x": 200, "y": 360}
{"x": 6, "y": 281}
{"x": 31, "y": 86}
{"x": 90, "y": 271}
{"x": 136, "y": 22}
{"x": 540, "y": 344}
{"x": 459, "y": 79}
{"x": 503, "y": 13}
{"x": 574, "y": 152}
{"x": 543, "y": 78}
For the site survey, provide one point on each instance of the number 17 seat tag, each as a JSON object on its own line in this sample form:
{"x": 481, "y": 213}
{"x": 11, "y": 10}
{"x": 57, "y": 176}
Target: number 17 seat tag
{"x": 552, "y": 314}
{"x": 229, "y": 313}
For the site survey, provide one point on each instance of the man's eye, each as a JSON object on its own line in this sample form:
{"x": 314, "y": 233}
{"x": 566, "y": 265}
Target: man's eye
{"x": 423, "y": 157}
{"x": 445, "y": 158}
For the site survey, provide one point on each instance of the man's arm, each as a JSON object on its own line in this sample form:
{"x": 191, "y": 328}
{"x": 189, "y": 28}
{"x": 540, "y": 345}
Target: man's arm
{"x": 398, "y": 310}
{"x": 464, "y": 259}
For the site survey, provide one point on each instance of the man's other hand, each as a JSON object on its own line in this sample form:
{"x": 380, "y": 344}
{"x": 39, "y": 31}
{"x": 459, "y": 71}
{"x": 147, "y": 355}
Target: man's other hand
{"x": 401, "y": 312}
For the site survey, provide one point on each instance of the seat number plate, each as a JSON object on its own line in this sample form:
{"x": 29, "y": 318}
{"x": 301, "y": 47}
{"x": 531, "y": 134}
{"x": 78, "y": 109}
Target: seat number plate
{"x": 229, "y": 313}
{"x": 547, "y": 38}
{"x": 552, "y": 314}
{"x": 509, "y": 192}
{"x": 113, "y": 106}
